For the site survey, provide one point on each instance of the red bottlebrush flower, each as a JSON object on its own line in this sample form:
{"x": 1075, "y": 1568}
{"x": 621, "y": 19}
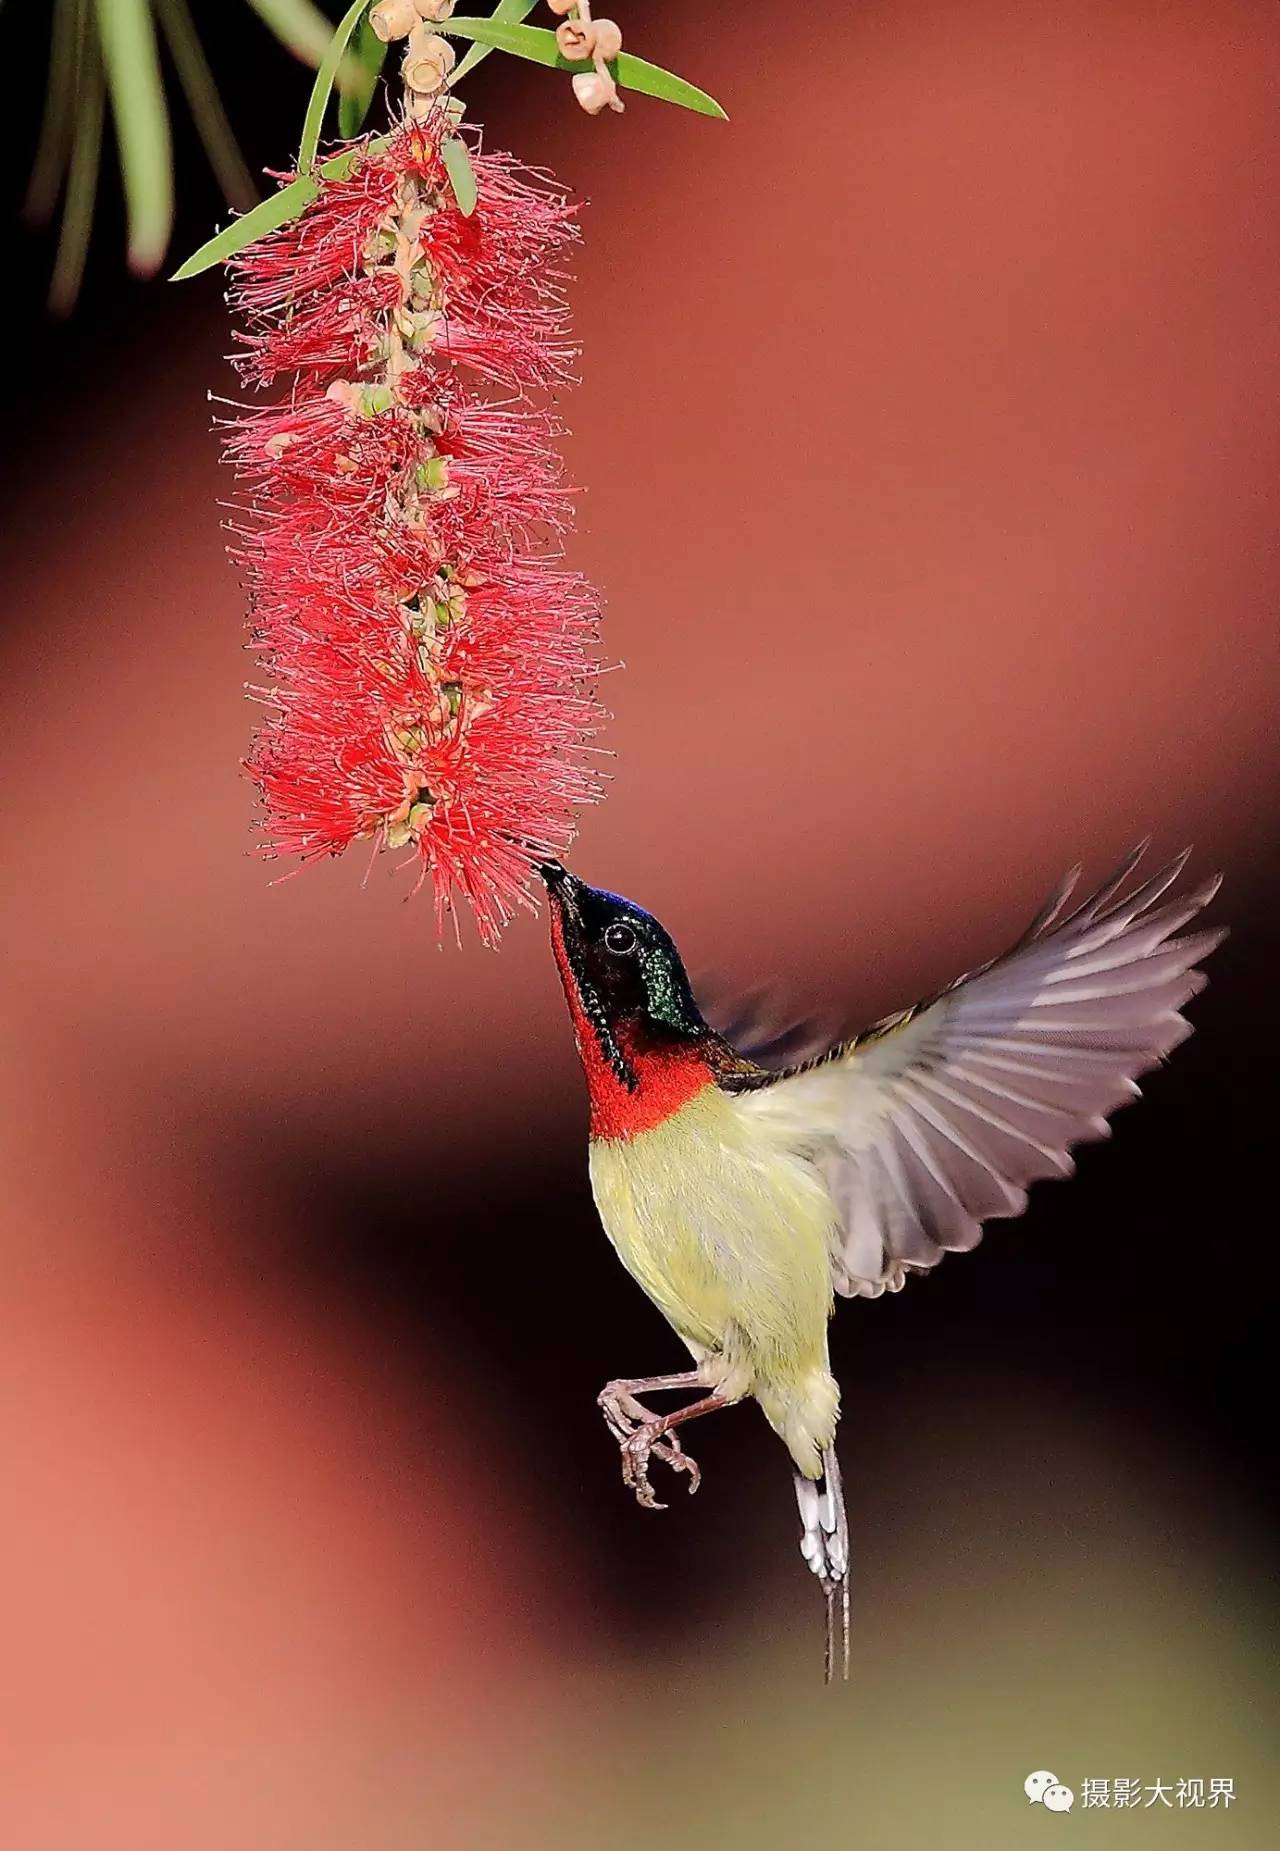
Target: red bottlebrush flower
{"x": 431, "y": 659}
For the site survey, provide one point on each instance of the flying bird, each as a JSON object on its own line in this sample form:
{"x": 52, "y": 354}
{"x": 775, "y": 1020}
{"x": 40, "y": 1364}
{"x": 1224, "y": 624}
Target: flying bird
{"x": 743, "y": 1200}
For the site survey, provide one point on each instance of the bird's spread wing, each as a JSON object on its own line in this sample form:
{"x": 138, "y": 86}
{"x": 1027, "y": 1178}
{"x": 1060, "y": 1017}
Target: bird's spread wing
{"x": 764, "y": 1031}
{"x": 938, "y": 1119}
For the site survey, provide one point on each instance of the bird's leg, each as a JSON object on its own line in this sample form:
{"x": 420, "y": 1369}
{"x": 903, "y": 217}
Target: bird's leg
{"x": 623, "y": 1413}
{"x": 639, "y": 1433}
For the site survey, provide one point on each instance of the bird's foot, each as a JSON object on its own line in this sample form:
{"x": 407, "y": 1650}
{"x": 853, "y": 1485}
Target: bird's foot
{"x": 636, "y": 1449}
{"x": 640, "y": 1434}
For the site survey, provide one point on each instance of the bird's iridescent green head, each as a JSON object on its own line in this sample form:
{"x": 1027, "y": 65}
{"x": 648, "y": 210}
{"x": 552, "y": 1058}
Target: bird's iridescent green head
{"x": 619, "y": 966}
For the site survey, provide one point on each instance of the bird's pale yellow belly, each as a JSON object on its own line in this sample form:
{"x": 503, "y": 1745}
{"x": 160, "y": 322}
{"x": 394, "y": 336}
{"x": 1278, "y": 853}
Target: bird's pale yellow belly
{"x": 730, "y": 1234}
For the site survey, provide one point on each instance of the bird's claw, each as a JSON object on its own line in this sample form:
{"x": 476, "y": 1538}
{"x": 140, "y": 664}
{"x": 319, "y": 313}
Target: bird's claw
{"x": 639, "y": 1435}
{"x": 636, "y": 1449}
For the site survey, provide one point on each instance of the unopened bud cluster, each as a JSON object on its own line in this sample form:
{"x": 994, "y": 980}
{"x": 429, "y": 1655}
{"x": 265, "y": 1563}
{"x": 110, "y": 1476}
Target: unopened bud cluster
{"x": 580, "y": 37}
{"x": 429, "y": 57}
{"x": 396, "y": 19}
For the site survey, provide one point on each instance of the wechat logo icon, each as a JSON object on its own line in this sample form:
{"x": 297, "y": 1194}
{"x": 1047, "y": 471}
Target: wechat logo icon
{"x": 1045, "y": 1789}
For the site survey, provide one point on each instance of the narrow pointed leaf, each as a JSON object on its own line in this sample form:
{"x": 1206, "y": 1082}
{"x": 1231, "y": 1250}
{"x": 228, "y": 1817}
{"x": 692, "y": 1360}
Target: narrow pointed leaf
{"x": 369, "y": 55}
{"x": 277, "y": 210}
{"x": 651, "y": 80}
{"x": 462, "y": 176}
{"x": 531, "y": 42}
{"x": 539, "y": 46}
{"x": 322, "y": 89}
{"x": 506, "y": 12}
{"x": 201, "y": 91}
{"x": 54, "y": 148}
{"x": 302, "y": 29}
{"x": 82, "y": 182}
{"x": 127, "y": 35}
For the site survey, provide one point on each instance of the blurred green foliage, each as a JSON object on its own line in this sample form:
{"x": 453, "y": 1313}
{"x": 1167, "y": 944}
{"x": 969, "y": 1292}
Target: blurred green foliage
{"x": 130, "y": 54}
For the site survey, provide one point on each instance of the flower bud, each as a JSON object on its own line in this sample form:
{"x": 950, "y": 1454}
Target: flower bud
{"x": 608, "y": 39}
{"x": 393, "y": 19}
{"x": 434, "y": 9}
{"x": 427, "y": 62}
{"x": 592, "y": 91}
{"x": 576, "y": 38}
{"x": 562, "y": 6}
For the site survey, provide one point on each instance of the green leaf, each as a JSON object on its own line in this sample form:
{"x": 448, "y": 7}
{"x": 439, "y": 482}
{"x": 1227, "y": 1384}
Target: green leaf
{"x": 322, "y": 89}
{"x": 303, "y": 29}
{"x": 300, "y": 27}
{"x": 200, "y": 87}
{"x": 370, "y": 55}
{"x": 651, "y": 80}
{"x": 82, "y": 178}
{"x": 57, "y": 123}
{"x": 127, "y": 36}
{"x": 539, "y": 46}
{"x": 462, "y": 177}
{"x": 532, "y": 42}
{"x": 249, "y": 227}
{"x": 511, "y": 11}
{"x": 278, "y": 210}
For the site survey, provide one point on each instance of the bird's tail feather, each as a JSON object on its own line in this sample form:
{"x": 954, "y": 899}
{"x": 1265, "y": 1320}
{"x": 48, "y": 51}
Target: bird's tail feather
{"x": 824, "y": 1544}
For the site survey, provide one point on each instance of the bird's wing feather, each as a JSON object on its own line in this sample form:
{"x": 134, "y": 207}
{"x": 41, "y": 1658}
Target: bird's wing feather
{"x": 763, "y": 1028}
{"x": 939, "y": 1119}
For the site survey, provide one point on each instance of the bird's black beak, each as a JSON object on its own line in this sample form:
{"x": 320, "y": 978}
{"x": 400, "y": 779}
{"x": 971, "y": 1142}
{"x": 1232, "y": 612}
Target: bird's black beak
{"x": 561, "y": 886}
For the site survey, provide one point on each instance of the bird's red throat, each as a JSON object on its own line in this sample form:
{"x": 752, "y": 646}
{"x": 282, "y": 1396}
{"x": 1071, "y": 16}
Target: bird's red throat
{"x": 667, "y": 1077}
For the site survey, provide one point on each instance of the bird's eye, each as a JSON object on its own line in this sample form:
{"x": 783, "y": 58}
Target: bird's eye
{"x": 619, "y": 938}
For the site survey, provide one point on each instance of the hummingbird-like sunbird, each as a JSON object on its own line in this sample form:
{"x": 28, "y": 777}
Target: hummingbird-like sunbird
{"x": 744, "y": 1199}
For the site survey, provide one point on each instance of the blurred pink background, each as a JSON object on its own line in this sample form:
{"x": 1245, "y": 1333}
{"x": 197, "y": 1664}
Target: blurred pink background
{"x": 929, "y": 423}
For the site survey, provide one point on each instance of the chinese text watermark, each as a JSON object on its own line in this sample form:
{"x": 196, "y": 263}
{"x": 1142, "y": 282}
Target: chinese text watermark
{"x": 1120, "y": 1792}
